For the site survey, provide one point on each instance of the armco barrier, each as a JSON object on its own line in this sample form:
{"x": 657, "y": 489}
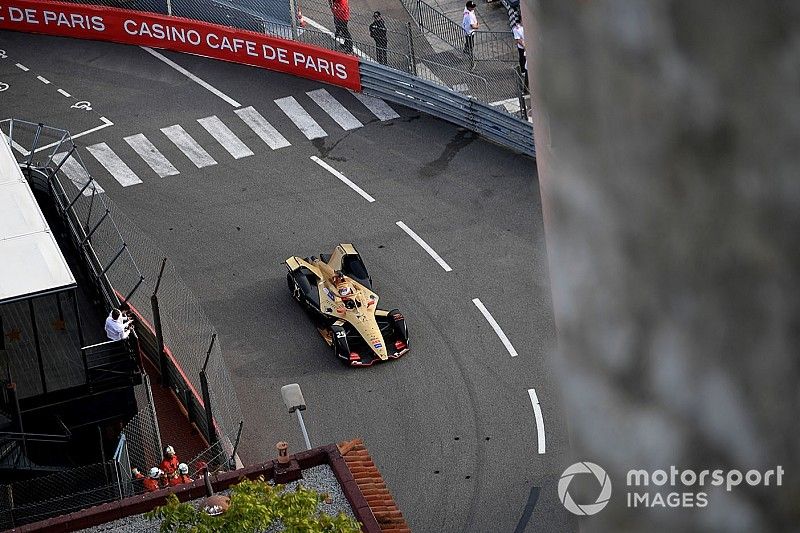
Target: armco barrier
{"x": 399, "y": 87}
{"x": 181, "y": 35}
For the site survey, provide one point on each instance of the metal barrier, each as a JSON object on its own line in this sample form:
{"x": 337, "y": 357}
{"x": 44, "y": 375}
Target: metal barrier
{"x": 448, "y": 105}
{"x": 60, "y": 493}
{"x": 488, "y": 45}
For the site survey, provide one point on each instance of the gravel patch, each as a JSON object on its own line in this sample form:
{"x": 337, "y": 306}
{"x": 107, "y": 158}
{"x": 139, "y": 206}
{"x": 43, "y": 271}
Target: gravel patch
{"x": 319, "y": 478}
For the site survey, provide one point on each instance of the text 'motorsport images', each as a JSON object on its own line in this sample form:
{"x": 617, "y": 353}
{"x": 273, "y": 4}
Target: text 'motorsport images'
{"x": 337, "y": 289}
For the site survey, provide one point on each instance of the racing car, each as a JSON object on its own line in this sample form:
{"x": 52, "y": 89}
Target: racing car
{"x": 337, "y": 291}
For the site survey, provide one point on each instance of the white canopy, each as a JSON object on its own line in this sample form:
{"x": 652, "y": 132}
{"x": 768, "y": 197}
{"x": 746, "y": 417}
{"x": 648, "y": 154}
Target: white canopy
{"x": 31, "y": 262}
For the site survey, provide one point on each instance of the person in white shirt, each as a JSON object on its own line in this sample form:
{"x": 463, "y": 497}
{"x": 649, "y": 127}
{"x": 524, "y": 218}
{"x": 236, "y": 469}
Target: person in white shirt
{"x": 519, "y": 36}
{"x": 469, "y": 25}
{"x": 117, "y": 328}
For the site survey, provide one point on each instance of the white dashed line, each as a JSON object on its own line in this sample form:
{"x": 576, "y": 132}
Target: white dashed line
{"x": 537, "y": 412}
{"x": 192, "y": 77}
{"x": 424, "y": 245}
{"x": 342, "y": 178}
{"x": 65, "y": 93}
{"x": 495, "y": 326}
{"x": 43, "y": 80}
{"x": 22, "y": 67}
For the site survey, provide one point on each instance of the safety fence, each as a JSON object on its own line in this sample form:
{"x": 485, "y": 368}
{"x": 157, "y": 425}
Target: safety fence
{"x": 129, "y": 269}
{"x": 63, "y": 492}
{"x": 435, "y": 100}
{"x": 427, "y": 45}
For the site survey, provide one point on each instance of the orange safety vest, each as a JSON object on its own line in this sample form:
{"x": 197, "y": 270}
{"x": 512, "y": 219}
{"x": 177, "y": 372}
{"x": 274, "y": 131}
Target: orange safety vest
{"x": 170, "y": 465}
{"x": 179, "y": 480}
{"x": 151, "y": 485}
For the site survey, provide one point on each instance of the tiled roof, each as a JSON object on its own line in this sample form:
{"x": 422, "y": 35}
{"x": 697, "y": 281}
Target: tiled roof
{"x": 370, "y": 482}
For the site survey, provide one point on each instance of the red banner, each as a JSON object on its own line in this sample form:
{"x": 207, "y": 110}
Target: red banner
{"x": 181, "y": 35}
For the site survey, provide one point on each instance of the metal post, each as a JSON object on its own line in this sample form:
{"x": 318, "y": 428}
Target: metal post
{"x": 412, "y": 55}
{"x": 114, "y": 260}
{"x": 89, "y": 235}
{"x": 169, "y": 7}
{"x": 211, "y": 433}
{"x": 303, "y": 429}
{"x": 37, "y": 345}
{"x": 232, "y": 460}
{"x": 162, "y": 353}
{"x": 133, "y": 290}
{"x": 89, "y": 212}
{"x": 35, "y": 143}
{"x": 293, "y": 18}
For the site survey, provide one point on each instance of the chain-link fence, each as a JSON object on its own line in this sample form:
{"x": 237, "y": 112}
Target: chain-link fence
{"x": 141, "y": 435}
{"x": 127, "y": 266}
{"x": 60, "y": 493}
{"x": 427, "y": 44}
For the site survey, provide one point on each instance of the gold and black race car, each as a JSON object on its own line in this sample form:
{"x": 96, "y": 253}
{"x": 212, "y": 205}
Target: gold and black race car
{"x": 337, "y": 290}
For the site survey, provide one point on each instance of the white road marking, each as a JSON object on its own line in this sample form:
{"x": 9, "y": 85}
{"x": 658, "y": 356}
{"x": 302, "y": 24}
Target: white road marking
{"x": 343, "y": 178}
{"x": 116, "y": 166}
{"x": 262, "y": 128}
{"x": 191, "y": 76}
{"x": 22, "y": 67}
{"x": 65, "y": 93}
{"x": 225, "y": 137}
{"x": 151, "y": 155}
{"x": 378, "y": 107}
{"x": 188, "y": 146}
{"x": 76, "y": 173}
{"x": 104, "y": 120}
{"x": 495, "y": 326}
{"x": 537, "y": 412}
{"x": 301, "y": 118}
{"x": 424, "y": 245}
{"x": 15, "y": 145}
{"x": 43, "y": 80}
{"x": 335, "y": 109}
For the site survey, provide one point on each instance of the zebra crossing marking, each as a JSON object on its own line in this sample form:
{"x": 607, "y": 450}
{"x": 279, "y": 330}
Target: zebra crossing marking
{"x": 116, "y": 166}
{"x": 76, "y": 174}
{"x": 150, "y": 154}
{"x": 335, "y": 109}
{"x": 262, "y": 128}
{"x": 225, "y": 137}
{"x": 301, "y": 118}
{"x": 378, "y": 107}
{"x": 188, "y": 146}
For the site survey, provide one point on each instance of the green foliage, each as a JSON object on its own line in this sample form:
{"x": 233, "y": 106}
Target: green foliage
{"x": 255, "y": 505}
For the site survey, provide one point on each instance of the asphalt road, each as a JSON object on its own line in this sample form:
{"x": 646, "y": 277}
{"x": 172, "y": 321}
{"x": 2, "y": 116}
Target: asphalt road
{"x": 451, "y": 425}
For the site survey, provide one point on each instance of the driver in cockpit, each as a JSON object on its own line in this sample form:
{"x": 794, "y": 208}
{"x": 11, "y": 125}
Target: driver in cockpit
{"x": 344, "y": 289}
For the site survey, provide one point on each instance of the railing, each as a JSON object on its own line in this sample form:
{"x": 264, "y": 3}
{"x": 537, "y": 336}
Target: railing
{"x": 408, "y": 48}
{"x": 449, "y": 105}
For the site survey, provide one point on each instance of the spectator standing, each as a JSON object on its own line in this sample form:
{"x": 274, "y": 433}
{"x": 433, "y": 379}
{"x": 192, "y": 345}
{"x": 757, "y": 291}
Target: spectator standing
{"x": 469, "y": 24}
{"x": 341, "y": 16}
{"x": 519, "y": 37}
{"x": 117, "y": 327}
{"x": 170, "y": 462}
{"x": 377, "y": 30}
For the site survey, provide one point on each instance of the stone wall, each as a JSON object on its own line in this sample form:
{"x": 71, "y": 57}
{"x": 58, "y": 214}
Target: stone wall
{"x": 668, "y": 142}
